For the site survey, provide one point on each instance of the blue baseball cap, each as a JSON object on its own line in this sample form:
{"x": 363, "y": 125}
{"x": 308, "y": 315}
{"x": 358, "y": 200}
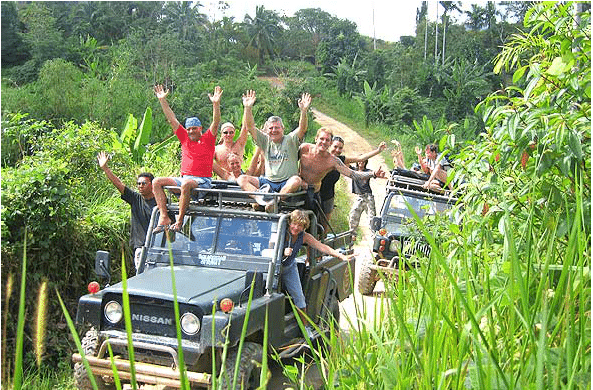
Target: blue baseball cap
{"x": 192, "y": 122}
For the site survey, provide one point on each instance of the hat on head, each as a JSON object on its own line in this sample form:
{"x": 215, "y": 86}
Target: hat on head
{"x": 225, "y": 125}
{"x": 192, "y": 122}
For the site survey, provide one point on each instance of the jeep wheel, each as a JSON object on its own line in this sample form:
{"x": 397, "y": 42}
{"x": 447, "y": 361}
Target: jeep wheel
{"x": 249, "y": 367}
{"x": 90, "y": 344}
{"x": 367, "y": 279}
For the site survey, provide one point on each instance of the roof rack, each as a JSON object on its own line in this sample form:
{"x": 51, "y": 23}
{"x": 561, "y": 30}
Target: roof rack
{"x": 412, "y": 182}
{"x": 229, "y": 194}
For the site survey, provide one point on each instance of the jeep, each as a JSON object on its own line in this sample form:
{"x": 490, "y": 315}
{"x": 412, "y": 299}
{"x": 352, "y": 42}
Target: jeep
{"x": 224, "y": 253}
{"x": 393, "y": 240}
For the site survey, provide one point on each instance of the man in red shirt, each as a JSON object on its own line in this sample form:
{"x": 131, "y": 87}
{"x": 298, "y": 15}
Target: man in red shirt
{"x": 197, "y": 153}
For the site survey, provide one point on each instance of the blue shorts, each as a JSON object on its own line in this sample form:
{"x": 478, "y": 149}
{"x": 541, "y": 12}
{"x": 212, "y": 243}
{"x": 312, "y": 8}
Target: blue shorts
{"x": 292, "y": 283}
{"x": 275, "y": 186}
{"x": 203, "y": 182}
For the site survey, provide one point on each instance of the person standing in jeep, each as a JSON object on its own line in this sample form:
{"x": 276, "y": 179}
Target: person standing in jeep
{"x": 141, "y": 204}
{"x": 296, "y": 236}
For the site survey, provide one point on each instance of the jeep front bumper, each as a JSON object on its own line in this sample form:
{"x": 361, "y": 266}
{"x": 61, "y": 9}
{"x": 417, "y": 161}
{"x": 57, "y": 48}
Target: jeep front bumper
{"x": 144, "y": 372}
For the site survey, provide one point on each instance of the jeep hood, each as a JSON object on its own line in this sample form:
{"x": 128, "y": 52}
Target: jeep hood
{"x": 193, "y": 284}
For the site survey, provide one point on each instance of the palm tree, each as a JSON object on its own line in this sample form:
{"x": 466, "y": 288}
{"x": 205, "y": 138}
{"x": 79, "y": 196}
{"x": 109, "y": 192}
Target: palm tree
{"x": 490, "y": 14}
{"x": 475, "y": 18}
{"x": 448, "y": 6}
{"x": 263, "y": 30}
{"x": 421, "y": 16}
{"x": 184, "y": 18}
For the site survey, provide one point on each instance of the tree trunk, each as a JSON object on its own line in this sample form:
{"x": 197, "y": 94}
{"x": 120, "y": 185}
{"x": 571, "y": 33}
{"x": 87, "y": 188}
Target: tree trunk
{"x": 444, "y": 35}
{"x": 436, "y": 37}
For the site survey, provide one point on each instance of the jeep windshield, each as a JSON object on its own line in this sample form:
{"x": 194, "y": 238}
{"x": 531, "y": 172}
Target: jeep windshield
{"x": 221, "y": 241}
{"x": 397, "y": 212}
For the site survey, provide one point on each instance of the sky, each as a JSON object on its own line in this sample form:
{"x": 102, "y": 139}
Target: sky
{"x": 392, "y": 19}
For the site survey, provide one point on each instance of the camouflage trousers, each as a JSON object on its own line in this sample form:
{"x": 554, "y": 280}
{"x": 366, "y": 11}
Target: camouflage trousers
{"x": 362, "y": 202}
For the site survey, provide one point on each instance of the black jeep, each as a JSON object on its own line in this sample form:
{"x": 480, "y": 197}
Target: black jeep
{"x": 223, "y": 250}
{"x": 393, "y": 240}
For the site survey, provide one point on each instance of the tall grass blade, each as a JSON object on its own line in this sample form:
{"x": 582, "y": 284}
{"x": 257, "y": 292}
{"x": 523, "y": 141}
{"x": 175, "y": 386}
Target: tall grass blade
{"x": 128, "y": 320}
{"x": 74, "y": 334}
{"x": 116, "y": 379}
{"x": 18, "y": 358}
{"x": 263, "y": 378}
{"x": 243, "y": 333}
{"x": 182, "y": 369}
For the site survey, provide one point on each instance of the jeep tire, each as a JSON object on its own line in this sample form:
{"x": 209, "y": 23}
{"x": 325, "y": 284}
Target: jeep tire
{"x": 90, "y": 344}
{"x": 249, "y": 367}
{"x": 367, "y": 278}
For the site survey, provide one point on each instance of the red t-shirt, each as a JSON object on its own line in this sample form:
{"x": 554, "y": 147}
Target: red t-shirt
{"x": 196, "y": 157}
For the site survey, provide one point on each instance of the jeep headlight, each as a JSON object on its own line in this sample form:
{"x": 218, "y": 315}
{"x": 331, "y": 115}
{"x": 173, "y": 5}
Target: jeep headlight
{"x": 190, "y": 324}
{"x": 113, "y": 312}
{"x": 395, "y": 246}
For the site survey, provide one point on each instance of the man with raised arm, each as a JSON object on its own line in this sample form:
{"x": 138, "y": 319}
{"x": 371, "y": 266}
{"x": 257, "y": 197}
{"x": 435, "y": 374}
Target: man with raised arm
{"x": 317, "y": 161}
{"x": 141, "y": 204}
{"x": 227, "y": 147}
{"x": 197, "y": 154}
{"x": 281, "y": 152}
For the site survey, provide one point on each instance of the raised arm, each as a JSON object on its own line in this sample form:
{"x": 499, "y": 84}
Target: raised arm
{"x": 366, "y": 156}
{"x": 248, "y": 121}
{"x": 304, "y": 103}
{"x": 215, "y": 99}
{"x": 421, "y": 160}
{"x": 355, "y": 175}
{"x": 242, "y": 140}
{"x": 161, "y": 94}
{"x": 102, "y": 159}
{"x": 328, "y": 250}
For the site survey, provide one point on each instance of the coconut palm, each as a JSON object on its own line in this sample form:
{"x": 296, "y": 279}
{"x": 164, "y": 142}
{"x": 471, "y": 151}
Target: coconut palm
{"x": 447, "y": 7}
{"x": 263, "y": 30}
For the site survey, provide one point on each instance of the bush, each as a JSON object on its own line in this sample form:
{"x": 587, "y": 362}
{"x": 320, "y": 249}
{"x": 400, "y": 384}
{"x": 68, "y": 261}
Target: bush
{"x": 58, "y": 198}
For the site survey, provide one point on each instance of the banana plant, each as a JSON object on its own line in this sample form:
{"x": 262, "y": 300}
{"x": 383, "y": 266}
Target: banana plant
{"x": 134, "y": 138}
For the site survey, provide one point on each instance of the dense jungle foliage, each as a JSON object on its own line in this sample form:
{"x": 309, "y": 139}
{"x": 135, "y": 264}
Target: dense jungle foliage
{"x": 503, "y": 88}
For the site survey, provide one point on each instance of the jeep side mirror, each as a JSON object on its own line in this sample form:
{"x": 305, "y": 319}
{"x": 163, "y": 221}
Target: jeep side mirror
{"x": 103, "y": 265}
{"x": 375, "y": 224}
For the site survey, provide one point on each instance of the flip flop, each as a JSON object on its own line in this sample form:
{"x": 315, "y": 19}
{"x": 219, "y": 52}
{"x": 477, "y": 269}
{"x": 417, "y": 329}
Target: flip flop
{"x": 175, "y": 229}
{"x": 160, "y": 229}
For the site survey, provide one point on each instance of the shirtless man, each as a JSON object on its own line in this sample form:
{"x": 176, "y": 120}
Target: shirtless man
{"x": 280, "y": 150}
{"x": 317, "y": 161}
{"x": 226, "y": 147}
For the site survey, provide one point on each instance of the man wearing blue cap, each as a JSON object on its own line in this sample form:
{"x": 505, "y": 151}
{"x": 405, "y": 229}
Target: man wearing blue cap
{"x": 197, "y": 153}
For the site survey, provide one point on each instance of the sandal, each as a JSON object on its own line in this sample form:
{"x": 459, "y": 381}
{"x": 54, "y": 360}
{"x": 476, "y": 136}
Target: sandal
{"x": 175, "y": 228}
{"x": 160, "y": 229}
